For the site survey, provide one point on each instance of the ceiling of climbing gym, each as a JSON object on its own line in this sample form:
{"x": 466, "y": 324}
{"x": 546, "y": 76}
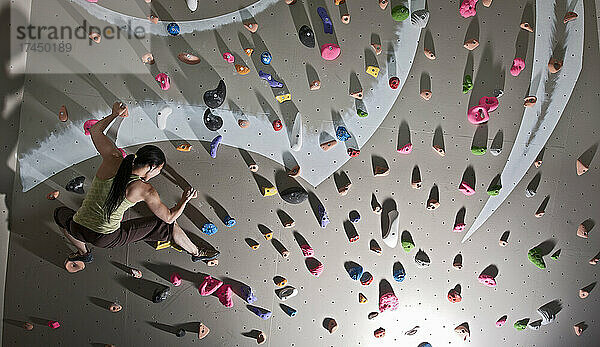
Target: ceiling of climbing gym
{"x": 378, "y": 172}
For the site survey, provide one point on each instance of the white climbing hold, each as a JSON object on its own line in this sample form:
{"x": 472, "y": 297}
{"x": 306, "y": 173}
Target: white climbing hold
{"x": 391, "y": 237}
{"x": 161, "y": 117}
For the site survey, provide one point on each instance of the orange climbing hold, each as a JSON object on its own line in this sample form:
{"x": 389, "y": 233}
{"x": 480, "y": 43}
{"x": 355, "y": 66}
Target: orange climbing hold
{"x": 74, "y": 266}
{"x": 429, "y": 53}
{"x": 426, "y": 94}
{"x": 530, "y": 101}
{"x": 184, "y": 147}
{"x": 188, "y": 58}
{"x": 53, "y": 195}
{"x": 248, "y": 51}
{"x": 241, "y": 69}
{"x": 526, "y": 26}
{"x": 63, "y": 115}
{"x": 252, "y": 27}
{"x": 581, "y": 168}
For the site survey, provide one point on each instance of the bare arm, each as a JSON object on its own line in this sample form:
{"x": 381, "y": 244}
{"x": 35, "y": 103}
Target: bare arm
{"x": 168, "y": 215}
{"x": 104, "y": 145}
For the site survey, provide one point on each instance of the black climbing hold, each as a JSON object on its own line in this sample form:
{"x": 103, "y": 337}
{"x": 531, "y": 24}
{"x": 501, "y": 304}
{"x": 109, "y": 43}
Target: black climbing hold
{"x": 215, "y": 97}
{"x": 76, "y": 185}
{"x": 161, "y": 295}
{"x": 212, "y": 121}
{"x": 294, "y": 195}
{"x": 180, "y": 333}
{"x": 307, "y": 36}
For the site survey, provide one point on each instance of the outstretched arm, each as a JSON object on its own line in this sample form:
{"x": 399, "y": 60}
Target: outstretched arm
{"x": 103, "y": 144}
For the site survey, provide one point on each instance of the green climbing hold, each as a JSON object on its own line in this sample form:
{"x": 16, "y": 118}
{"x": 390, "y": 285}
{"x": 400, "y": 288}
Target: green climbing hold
{"x": 467, "y": 84}
{"x": 521, "y": 324}
{"x": 478, "y": 150}
{"x": 535, "y": 256}
{"x": 408, "y": 246}
{"x": 494, "y": 190}
{"x": 555, "y": 255}
{"x": 362, "y": 113}
{"x": 399, "y": 13}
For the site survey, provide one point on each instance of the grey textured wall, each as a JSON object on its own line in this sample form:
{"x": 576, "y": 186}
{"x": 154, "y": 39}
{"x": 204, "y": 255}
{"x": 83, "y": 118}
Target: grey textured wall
{"x": 39, "y": 289}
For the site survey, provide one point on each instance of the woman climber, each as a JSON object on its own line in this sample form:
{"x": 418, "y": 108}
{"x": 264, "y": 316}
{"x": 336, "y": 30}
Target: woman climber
{"x": 119, "y": 184}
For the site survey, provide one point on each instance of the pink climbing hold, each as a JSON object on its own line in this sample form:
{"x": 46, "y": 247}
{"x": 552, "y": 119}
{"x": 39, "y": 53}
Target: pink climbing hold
{"x": 388, "y": 301}
{"x": 54, "y": 324}
{"x": 330, "y": 51}
{"x": 307, "y": 251}
{"x": 209, "y": 286}
{"x": 175, "y": 279}
{"x": 88, "y": 125}
{"x": 225, "y": 295}
{"x": 92, "y": 0}
{"x": 406, "y": 149}
{"x": 517, "y": 66}
{"x": 466, "y": 189}
{"x": 467, "y": 8}
{"x": 459, "y": 227}
{"x": 500, "y": 322}
{"x": 315, "y": 267}
{"x": 487, "y": 280}
{"x": 163, "y": 80}
{"x": 490, "y": 102}
{"x": 228, "y": 57}
{"x": 478, "y": 114}
{"x": 123, "y": 153}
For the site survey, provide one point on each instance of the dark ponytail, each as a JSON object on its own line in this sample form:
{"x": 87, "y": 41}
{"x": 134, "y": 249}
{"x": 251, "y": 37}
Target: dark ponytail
{"x": 148, "y": 155}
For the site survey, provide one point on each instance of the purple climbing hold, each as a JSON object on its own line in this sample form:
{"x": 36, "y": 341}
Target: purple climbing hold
{"x": 248, "y": 295}
{"x": 323, "y": 217}
{"x": 267, "y": 77}
{"x": 327, "y": 24}
{"x": 214, "y": 145}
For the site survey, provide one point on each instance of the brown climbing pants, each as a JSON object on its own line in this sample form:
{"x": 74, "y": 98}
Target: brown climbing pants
{"x": 138, "y": 229}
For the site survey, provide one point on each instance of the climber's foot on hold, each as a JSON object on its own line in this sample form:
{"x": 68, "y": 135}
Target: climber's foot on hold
{"x": 205, "y": 255}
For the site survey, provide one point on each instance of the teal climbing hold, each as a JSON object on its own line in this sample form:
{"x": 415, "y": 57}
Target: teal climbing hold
{"x": 400, "y": 13}
{"x": 535, "y": 256}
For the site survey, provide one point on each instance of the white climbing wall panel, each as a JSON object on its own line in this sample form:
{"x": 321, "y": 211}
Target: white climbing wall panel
{"x": 39, "y": 289}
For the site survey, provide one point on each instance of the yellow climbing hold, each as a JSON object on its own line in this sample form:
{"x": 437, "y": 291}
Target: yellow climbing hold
{"x": 284, "y": 97}
{"x": 269, "y": 191}
{"x": 162, "y": 245}
{"x": 373, "y": 70}
{"x": 268, "y": 236}
{"x": 248, "y": 51}
{"x": 362, "y": 298}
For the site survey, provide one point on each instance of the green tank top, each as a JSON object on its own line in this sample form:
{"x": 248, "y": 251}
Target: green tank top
{"x": 91, "y": 212}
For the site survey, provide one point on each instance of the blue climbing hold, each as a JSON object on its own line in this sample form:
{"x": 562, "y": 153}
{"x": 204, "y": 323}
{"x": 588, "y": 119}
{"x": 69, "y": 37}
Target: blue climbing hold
{"x": 327, "y": 24}
{"x": 323, "y": 217}
{"x": 229, "y": 221}
{"x": 424, "y": 344}
{"x": 342, "y": 134}
{"x": 288, "y": 310}
{"x": 209, "y": 229}
{"x": 399, "y": 272}
{"x": 355, "y": 272}
{"x": 266, "y": 57}
{"x": 173, "y": 29}
{"x": 248, "y": 295}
